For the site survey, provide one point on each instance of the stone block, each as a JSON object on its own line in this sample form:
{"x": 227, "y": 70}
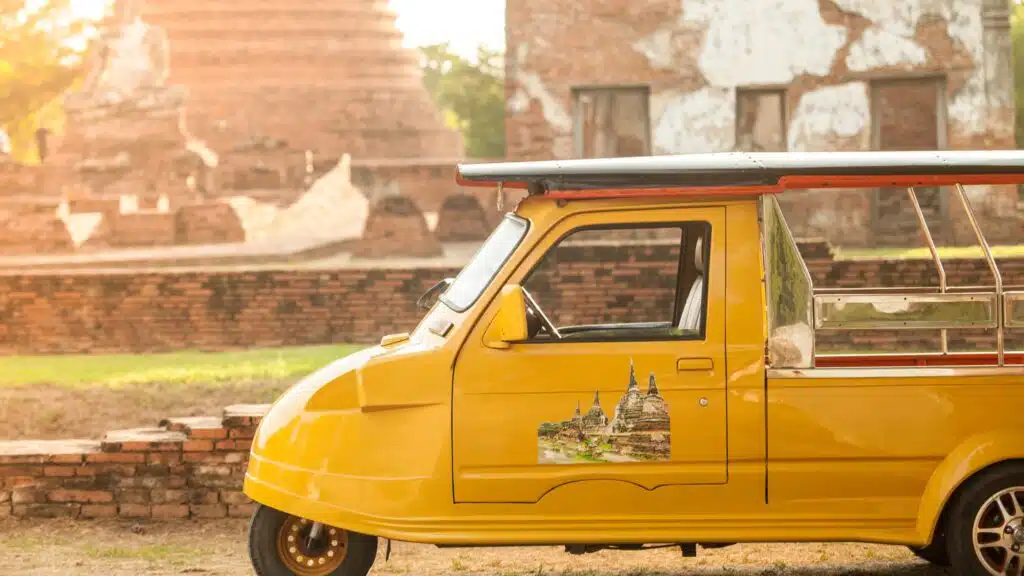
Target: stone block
{"x": 142, "y": 440}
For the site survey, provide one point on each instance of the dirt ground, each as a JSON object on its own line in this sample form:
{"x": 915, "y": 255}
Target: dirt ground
{"x": 51, "y": 412}
{"x": 211, "y": 548}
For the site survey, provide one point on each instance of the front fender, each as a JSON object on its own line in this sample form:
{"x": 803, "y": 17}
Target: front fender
{"x": 973, "y": 455}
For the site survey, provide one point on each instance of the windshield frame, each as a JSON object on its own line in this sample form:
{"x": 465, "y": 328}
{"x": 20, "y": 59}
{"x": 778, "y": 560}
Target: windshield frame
{"x": 443, "y": 298}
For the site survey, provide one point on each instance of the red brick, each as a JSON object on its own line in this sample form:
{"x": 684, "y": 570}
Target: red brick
{"x": 99, "y": 510}
{"x": 169, "y": 496}
{"x": 27, "y": 496}
{"x": 168, "y": 458}
{"x": 234, "y": 497}
{"x": 58, "y": 471}
{"x": 46, "y": 510}
{"x": 241, "y": 510}
{"x": 20, "y": 471}
{"x": 116, "y": 457}
{"x": 198, "y": 446}
{"x": 134, "y": 510}
{"x": 170, "y": 511}
{"x": 209, "y": 433}
{"x": 208, "y": 510}
{"x": 80, "y": 496}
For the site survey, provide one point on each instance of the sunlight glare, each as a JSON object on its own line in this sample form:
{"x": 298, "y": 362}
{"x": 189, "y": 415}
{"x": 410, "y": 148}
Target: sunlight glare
{"x": 92, "y": 9}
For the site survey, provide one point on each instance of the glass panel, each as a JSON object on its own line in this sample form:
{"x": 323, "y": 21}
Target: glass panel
{"x": 615, "y": 283}
{"x": 790, "y": 333}
{"x": 875, "y": 311}
{"x": 475, "y": 277}
{"x": 1014, "y": 309}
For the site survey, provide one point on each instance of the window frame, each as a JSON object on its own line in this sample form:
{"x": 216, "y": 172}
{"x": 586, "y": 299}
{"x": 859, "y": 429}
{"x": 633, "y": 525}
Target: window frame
{"x": 578, "y": 145}
{"x": 782, "y": 91}
{"x": 677, "y": 305}
{"x": 504, "y": 262}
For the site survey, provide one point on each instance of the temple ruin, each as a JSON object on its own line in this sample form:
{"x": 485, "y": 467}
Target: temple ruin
{"x": 255, "y": 122}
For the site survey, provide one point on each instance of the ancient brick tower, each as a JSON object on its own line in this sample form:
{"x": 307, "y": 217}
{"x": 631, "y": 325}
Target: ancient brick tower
{"x": 330, "y": 76}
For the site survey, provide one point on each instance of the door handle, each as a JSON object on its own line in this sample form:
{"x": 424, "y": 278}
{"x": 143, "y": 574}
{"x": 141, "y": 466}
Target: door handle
{"x": 694, "y": 365}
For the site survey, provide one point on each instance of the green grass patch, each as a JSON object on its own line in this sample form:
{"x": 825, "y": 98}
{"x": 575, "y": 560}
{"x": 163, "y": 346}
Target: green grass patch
{"x": 923, "y": 253}
{"x": 187, "y": 367}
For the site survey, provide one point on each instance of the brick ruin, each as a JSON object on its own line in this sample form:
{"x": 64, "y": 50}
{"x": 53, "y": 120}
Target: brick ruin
{"x": 773, "y": 75}
{"x": 183, "y": 468}
{"x": 87, "y": 311}
{"x": 188, "y": 107}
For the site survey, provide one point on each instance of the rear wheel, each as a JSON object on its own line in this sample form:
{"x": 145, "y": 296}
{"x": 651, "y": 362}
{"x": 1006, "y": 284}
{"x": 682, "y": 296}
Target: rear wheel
{"x": 934, "y": 553}
{"x": 285, "y": 545}
{"x": 986, "y": 525}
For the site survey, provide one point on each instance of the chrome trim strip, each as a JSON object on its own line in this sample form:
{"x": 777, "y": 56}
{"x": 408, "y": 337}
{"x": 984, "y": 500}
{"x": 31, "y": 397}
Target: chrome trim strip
{"x": 1013, "y": 307}
{"x": 1000, "y": 344}
{"x": 904, "y": 311}
{"x": 891, "y": 372}
{"x": 935, "y": 254}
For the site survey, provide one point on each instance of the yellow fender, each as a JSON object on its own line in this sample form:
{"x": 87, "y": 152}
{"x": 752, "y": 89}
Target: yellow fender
{"x": 966, "y": 460}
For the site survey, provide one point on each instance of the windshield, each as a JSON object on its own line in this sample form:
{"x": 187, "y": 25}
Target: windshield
{"x": 475, "y": 277}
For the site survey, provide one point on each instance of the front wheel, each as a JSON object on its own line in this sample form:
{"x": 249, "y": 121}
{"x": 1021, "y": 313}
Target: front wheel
{"x": 285, "y": 545}
{"x": 986, "y": 525}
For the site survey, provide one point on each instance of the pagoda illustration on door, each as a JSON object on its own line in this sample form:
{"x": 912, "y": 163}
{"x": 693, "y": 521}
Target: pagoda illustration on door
{"x": 638, "y": 432}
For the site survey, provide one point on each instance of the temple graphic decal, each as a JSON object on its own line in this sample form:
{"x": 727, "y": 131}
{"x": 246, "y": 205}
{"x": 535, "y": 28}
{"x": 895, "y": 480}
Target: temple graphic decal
{"x": 639, "y": 430}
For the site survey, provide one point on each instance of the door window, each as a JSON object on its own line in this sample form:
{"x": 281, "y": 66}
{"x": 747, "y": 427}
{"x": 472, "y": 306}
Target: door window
{"x": 625, "y": 283}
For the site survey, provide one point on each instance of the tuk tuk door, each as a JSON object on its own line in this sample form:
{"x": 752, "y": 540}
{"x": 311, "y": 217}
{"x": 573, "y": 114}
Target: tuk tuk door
{"x": 632, "y": 388}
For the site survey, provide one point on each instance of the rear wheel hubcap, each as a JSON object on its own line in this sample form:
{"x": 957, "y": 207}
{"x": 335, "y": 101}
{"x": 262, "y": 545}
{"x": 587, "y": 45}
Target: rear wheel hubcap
{"x": 309, "y": 550}
{"x": 999, "y": 533}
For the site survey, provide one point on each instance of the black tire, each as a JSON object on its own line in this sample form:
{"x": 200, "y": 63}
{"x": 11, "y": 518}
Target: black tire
{"x": 263, "y": 531}
{"x": 966, "y": 507}
{"x": 935, "y": 553}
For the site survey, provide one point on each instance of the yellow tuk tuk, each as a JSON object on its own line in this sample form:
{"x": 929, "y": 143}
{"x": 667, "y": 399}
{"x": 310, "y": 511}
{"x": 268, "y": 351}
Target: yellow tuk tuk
{"x": 673, "y": 397}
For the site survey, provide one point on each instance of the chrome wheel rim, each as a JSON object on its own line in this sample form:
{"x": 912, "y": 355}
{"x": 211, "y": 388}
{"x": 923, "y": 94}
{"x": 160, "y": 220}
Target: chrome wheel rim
{"x": 998, "y": 536}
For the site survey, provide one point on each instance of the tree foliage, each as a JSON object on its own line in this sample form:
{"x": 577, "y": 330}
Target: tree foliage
{"x": 40, "y": 58}
{"x": 470, "y": 94}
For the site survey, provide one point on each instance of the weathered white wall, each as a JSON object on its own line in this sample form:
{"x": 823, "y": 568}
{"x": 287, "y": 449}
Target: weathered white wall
{"x": 775, "y": 42}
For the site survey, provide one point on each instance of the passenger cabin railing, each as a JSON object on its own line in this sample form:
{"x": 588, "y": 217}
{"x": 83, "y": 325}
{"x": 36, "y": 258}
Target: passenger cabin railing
{"x": 793, "y": 330}
{"x": 796, "y": 311}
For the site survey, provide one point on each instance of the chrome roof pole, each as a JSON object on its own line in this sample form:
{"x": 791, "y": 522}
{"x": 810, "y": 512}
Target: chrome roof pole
{"x": 1000, "y": 312}
{"x": 935, "y": 254}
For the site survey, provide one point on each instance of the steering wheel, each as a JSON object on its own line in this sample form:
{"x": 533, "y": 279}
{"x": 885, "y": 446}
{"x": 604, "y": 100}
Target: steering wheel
{"x": 533, "y": 309}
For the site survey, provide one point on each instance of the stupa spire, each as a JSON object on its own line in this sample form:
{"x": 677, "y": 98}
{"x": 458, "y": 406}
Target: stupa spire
{"x": 632, "y": 375}
{"x": 652, "y": 386}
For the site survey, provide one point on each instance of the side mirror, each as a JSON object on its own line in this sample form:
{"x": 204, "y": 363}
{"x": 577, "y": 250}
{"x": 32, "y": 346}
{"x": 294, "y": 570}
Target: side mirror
{"x": 427, "y": 300}
{"x": 510, "y": 323}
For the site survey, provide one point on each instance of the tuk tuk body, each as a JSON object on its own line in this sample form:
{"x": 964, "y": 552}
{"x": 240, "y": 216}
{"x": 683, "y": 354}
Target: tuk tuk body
{"x": 496, "y": 422}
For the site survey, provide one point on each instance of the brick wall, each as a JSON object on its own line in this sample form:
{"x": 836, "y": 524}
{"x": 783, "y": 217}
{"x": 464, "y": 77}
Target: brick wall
{"x": 92, "y": 313}
{"x": 186, "y": 468}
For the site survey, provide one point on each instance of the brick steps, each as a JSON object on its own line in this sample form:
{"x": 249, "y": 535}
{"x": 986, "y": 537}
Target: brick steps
{"x": 183, "y": 468}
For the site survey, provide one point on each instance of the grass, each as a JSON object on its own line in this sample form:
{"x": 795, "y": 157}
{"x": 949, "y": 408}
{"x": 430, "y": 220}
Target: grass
{"x": 187, "y": 367}
{"x": 945, "y": 252}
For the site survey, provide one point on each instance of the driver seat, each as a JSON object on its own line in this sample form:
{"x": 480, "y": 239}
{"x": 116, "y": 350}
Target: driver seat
{"x": 690, "y": 319}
